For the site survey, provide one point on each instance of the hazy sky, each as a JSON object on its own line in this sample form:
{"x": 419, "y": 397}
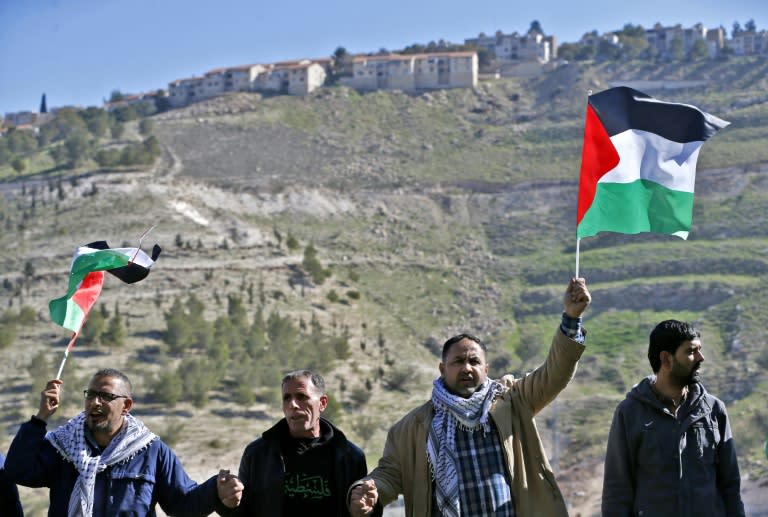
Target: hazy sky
{"x": 78, "y": 51}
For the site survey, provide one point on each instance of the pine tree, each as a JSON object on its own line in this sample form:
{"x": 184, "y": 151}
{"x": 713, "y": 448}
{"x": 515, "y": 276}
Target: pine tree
{"x": 94, "y": 327}
{"x": 178, "y": 333}
{"x": 115, "y": 334}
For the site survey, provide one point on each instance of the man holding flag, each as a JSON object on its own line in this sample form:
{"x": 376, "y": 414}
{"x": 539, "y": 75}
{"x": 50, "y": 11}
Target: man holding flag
{"x": 473, "y": 448}
{"x": 106, "y": 463}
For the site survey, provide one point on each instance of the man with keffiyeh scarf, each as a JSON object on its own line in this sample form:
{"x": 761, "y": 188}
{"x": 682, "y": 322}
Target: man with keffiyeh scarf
{"x": 474, "y": 449}
{"x": 106, "y": 463}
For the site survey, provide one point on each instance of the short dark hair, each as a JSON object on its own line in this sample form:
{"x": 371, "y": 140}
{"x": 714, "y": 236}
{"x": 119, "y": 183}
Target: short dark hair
{"x": 316, "y": 378}
{"x": 117, "y": 374}
{"x": 667, "y": 337}
{"x": 460, "y": 337}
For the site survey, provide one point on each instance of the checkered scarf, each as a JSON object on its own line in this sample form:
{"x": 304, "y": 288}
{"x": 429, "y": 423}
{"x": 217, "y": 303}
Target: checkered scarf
{"x": 452, "y": 411}
{"x": 69, "y": 440}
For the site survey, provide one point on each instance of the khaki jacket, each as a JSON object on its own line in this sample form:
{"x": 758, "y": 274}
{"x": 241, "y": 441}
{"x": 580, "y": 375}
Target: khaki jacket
{"x": 404, "y": 467}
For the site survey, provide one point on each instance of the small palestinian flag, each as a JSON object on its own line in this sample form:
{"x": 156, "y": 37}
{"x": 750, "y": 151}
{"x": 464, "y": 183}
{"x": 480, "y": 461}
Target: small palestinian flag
{"x": 638, "y": 163}
{"x": 86, "y": 278}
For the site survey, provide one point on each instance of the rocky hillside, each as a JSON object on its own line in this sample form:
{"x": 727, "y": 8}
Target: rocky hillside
{"x": 445, "y": 211}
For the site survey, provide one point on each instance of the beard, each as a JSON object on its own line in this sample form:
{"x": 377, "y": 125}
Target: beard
{"x": 695, "y": 376}
{"x": 684, "y": 376}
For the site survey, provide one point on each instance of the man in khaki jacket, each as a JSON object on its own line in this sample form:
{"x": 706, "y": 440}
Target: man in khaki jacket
{"x": 473, "y": 449}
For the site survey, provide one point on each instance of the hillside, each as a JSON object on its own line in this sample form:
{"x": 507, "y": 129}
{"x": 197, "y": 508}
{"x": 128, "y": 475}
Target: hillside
{"x": 446, "y": 211}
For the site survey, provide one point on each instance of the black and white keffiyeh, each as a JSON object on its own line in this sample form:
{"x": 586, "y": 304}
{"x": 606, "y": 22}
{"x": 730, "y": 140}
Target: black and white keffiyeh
{"x": 70, "y": 441}
{"x": 452, "y": 411}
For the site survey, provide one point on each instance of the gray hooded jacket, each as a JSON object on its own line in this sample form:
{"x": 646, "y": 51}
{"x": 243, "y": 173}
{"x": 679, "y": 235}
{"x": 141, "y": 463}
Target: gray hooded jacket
{"x": 659, "y": 465}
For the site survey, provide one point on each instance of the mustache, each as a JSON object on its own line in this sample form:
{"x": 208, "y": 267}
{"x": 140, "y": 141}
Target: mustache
{"x": 695, "y": 374}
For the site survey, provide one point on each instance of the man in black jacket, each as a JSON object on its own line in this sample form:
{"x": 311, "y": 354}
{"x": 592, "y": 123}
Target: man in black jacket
{"x": 303, "y": 464}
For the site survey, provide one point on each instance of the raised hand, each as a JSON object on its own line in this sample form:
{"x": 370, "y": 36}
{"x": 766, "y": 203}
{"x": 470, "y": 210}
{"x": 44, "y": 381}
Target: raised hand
{"x": 576, "y": 297}
{"x": 49, "y": 399}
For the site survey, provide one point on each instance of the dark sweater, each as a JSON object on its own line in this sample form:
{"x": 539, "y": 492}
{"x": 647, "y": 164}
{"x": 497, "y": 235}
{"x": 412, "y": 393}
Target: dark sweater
{"x": 263, "y": 470}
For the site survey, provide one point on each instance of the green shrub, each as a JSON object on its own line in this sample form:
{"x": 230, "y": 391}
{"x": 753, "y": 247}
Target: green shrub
{"x": 167, "y": 389}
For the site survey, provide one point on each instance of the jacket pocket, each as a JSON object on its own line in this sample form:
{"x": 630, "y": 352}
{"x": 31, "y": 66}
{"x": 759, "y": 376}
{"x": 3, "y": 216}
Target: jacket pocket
{"x": 653, "y": 454}
{"x": 131, "y": 493}
{"x": 705, "y": 437}
{"x": 549, "y": 477}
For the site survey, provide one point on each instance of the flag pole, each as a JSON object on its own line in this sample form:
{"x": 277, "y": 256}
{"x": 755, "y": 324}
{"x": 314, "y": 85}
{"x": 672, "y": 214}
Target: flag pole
{"x": 70, "y": 345}
{"x": 66, "y": 354}
{"x": 578, "y": 241}
{"x": 141, "y": 239}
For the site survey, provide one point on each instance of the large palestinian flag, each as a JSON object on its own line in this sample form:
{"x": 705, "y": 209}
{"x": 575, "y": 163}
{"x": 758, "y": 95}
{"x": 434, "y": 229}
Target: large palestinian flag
{"x": 86, "y": 277}
{"x": 638, "y": 163}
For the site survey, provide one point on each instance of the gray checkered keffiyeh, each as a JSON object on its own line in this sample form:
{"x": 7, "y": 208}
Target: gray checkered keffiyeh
{"x": 69, "y": 440}
{"x": 452, "y": 411}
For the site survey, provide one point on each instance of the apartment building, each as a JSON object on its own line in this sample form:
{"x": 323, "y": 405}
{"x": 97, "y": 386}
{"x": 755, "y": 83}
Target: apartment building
{"x": 413, "y": 72}
{"x": 292, "y": 77}
{"x": 21, "y": 118}
{"x": 215, "y": 82}
{"x": 593, "y": 39}
{"x": 184, "y": 91}
{"x": 29, "y": 120}
{"x": 661, "y": 38}
{"x": 137, "y": 99}
{"x": 748, "y": 43}
{"x": 234, "y": 79}
{"x": 532, "y": 46}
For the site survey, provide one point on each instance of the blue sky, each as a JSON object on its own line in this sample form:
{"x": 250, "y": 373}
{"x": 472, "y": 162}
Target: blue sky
{"x": 78, "y": 51}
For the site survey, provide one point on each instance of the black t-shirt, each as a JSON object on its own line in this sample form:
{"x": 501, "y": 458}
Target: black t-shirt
{"x": 308, "y": 484}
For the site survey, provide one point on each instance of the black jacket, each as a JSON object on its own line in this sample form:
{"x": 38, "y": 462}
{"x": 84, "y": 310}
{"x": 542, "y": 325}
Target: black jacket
{"x": 262, "y": 469}
{"x": 660, "y": 465}
{"x": 10, "y": 505}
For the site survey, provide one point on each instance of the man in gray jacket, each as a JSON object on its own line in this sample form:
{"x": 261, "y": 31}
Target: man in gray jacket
{"x": 670, "y": 448}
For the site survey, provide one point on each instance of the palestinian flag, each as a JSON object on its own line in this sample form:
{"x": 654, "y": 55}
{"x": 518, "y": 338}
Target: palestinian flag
{"x": 638, "y": 163}
{"x": 86, "y": 278}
